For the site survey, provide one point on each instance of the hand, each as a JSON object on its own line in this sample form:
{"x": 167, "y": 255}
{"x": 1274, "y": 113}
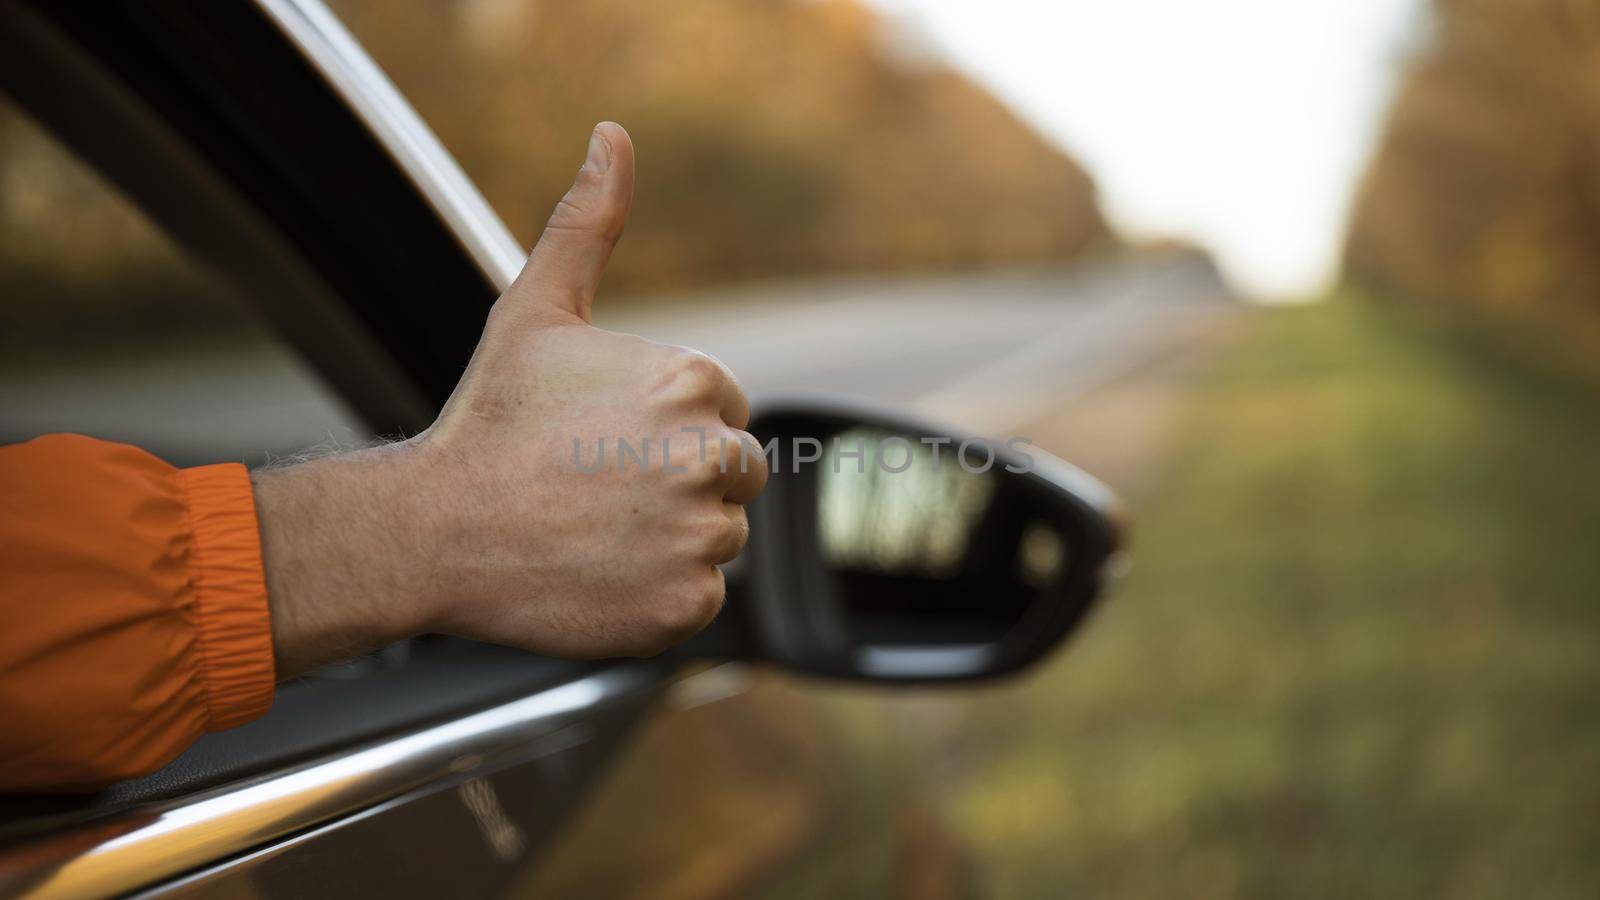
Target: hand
{"x": 489, "y": 524}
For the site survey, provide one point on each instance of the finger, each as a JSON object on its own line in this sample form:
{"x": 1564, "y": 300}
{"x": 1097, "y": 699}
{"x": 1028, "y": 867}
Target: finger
{"x": 747, "y": 468}
{"x": 564, "y": 270}
{"x": 735, "y": 405}
{"x": 717, "y": 384}
{"x": 737, "y": 536}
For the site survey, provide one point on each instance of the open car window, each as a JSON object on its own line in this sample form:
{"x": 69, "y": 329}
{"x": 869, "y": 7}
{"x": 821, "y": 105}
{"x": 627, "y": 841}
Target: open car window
{"x": 311, "y": 319}
{"x": 109, "y": 329}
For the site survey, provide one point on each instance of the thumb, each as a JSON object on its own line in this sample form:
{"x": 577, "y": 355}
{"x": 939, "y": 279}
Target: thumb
{"x": 564, "y": 270}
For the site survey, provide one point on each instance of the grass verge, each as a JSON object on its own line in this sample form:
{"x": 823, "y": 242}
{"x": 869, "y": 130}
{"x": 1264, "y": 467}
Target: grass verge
{"x": 1358, "y": 652}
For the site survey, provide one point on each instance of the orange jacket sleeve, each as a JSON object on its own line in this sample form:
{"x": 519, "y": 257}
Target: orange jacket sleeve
{"x": 133, "y": 611}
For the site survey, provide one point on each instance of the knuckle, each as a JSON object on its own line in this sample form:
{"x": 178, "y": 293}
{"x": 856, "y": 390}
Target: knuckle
{"x": 739, "y": 532}
{"x": 688, "y": 379}
{"x": 697, "y": 373}
{"x": 734, "y": 453}
{"x": 709, "y": 535}
{"x": 707, "y": 471}
{"x": 693, "y": 462}
{"x": 700, "y": 367}
{"x": 574, "y": 211}
{"x": 755, "y": 456}
{"x": 739, "y": 404}
{"x": 722, "y": 536}
{"x": 709, "y": 599}
{"x": 721, "y": 459}
{"x": 691, "y": 610}
{"x": 586, "y": 211}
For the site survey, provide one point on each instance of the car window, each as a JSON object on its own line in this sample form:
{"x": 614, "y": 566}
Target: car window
{"x": 107, "y": 329}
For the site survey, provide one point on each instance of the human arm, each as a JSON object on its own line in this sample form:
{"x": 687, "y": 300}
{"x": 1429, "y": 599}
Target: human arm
{"x": 484, "y": 525}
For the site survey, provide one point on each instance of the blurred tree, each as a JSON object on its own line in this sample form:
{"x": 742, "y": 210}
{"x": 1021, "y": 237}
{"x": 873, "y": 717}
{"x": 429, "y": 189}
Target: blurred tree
{"x": 77, "y": 259}
{"x": 775, "y": 137}
{"x": 1485, "y": 189}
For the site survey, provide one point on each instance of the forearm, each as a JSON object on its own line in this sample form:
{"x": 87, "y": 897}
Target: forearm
{"x": 348, "y": 568}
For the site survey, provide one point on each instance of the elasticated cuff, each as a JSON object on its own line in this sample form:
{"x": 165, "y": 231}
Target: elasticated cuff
{"x": 231, "y": 588}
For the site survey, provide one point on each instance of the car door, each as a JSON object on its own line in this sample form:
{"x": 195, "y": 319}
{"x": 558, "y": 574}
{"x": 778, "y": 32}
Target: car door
{"x": 269, "y": 149}
{"x": 275, "y": 155}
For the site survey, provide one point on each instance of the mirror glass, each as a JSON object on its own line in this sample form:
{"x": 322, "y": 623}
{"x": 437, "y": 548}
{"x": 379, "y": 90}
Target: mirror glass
{"x": 926, "y": 544}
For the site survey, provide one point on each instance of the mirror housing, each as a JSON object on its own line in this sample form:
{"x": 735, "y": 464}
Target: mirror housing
{"x": 890, "y": 549}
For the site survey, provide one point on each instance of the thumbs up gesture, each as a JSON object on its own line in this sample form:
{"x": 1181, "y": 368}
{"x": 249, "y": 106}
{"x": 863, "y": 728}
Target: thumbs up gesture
{"x": 574, "y": 497}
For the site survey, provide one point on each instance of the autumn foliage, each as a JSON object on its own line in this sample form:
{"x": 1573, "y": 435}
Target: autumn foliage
{"x": 775, "y": 137}
{"x": 1485, "y": 189}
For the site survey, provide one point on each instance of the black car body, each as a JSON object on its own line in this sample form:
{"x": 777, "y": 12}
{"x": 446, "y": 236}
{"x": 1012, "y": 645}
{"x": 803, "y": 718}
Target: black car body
{"x": 271, "y": 148}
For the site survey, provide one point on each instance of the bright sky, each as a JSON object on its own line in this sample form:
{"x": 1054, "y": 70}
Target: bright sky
{"x": 1241, "y": 124}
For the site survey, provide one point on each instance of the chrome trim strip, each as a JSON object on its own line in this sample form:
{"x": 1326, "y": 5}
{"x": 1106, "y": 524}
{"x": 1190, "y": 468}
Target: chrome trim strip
{"x": 147, "y": 847}
{"x": 353, "y": 75}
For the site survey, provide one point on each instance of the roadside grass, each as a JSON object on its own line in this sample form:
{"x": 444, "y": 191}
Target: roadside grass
{"x": 1359, "y": 652}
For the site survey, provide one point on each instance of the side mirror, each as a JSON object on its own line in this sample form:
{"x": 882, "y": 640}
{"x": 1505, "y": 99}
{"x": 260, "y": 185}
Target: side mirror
{"x": 895, "y": 550}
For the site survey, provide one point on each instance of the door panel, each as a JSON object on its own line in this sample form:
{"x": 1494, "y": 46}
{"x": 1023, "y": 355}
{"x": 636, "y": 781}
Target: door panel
{"x": 728, "y": 779}
{"x": 473, "y": 835}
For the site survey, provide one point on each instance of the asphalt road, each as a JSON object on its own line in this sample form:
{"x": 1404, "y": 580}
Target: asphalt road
{"x": 984, "y": 351}
{"x": 987, "y": 351}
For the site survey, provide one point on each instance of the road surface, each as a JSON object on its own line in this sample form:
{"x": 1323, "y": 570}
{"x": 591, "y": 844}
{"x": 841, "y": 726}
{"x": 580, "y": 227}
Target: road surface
{"x": 984, "y": 351}
{"x": 987, "y": 351}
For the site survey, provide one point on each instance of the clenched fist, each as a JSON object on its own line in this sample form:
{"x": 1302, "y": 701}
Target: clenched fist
{"x": 574, "y": 497}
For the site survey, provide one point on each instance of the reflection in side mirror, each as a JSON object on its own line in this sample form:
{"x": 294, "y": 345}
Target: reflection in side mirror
{"x": 891, "y": 550}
